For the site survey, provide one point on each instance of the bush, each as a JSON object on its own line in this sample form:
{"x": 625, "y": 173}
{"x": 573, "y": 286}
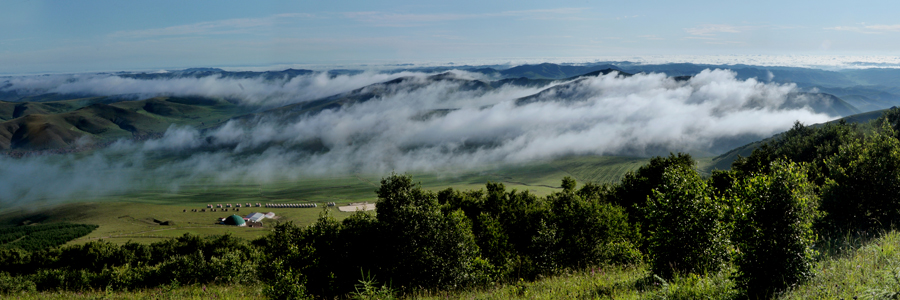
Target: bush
{"x": 42, "y": 236}
{"x": 11, "y": 284}
{"x": 288, "y": 284}
{"x": 632, "y": 192}
{"x": 863, "y": 192}
{"x": 590, "y": 231}
{"x": 425, "y": 246}
{"x": 773, "y": 232}
{"x": 686, "y": 232}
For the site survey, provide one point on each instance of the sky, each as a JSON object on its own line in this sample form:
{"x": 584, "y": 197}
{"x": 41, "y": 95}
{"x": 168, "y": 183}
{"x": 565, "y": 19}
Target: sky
{"x": 87, "y": 36}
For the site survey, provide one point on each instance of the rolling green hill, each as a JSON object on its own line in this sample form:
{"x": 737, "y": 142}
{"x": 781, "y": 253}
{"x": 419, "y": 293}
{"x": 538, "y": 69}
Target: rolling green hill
{"x": 59, "y": 124}
{"x": 723, "y": 161}
{"x": 48, "y": 131}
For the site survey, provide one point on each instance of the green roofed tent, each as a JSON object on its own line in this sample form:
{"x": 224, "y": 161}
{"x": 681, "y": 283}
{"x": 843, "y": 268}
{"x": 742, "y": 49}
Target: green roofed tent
{"x": 234, "y": 220}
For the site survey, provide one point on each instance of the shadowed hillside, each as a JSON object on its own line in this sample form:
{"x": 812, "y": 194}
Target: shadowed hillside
{"x": 51, "y": 125}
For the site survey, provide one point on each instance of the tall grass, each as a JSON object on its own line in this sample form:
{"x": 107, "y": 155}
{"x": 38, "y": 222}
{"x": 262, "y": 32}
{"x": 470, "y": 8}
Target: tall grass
{"x": 869, "y": 272}
{"x": 173, "y": 291}
{"x": 634, "y": 282}
{"x": 859, "y": 266}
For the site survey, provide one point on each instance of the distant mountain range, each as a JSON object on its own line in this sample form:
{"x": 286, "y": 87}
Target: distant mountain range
{"x": 865, "y": 89}
{"x": 53, "y": 120}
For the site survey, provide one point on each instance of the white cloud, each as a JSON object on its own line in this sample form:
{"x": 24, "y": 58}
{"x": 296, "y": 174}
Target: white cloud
{"x": 895, "y": 27}
{"x": 599, "y": 115}
{"x": 713, "y": 29}
{"x": 651, "y": 37}
{"x": 250, "y": 91}
{"x": 390, "y": 19}
{"x": 853, "y": 29}
{"x": 229, "y": 26}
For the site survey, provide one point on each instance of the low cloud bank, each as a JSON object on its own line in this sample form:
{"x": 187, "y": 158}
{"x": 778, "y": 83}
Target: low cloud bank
{"x": 249, "y": 91}
{"x": 432, "y": 127}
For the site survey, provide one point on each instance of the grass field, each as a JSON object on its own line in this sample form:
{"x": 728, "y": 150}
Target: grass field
{"x": 130, "y": 215}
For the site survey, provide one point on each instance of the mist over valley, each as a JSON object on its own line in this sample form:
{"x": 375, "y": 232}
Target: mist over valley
{"x": 133, "y": 130}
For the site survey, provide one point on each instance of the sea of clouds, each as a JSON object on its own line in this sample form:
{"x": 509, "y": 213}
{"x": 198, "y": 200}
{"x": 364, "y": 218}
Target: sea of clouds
{"x": 640, "y": 115}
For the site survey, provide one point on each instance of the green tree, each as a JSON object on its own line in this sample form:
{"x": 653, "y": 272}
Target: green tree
{"x": 424, "y": 246}
{"x": 592, "y": 231}
{"x": 807, "y": 144}
{"x": 863, "y": 191}
{"x": 773, "y": 231}
{"x": 684, "y": 222}
{"x": 632, "y": 192}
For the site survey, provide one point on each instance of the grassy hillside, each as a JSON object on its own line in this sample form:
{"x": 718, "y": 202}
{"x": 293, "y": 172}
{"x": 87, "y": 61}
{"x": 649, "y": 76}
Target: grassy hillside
{"x": 868, "y": 272}
{"x": 59, "y": 124}
{"x": 101, "y": 121}
{"x": 195, "y": 111}
{"x": 723, "y": 161}
{"x": 12, "y": 110}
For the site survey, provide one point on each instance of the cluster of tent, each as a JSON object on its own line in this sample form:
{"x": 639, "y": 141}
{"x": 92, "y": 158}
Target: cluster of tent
{"x": 291, "y": 205}
{"x": 229, "y": 205}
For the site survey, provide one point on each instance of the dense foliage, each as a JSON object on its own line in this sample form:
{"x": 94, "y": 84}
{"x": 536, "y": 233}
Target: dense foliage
{"x": 42, "y": 236}
{"x": 686, "y": 225}
{"x": 774, "y": 218}
{"x": 758, "y": 223}
{"x": 863, "y": 190}
{"x": 100, "y": 264}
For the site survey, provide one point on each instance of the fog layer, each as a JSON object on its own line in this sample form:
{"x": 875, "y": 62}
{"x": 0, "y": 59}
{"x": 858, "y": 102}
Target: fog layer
{"x": 427, "y": 125}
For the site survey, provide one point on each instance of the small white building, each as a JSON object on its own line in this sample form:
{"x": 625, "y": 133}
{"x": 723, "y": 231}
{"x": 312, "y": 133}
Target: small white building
{"x": 256, "y": 217}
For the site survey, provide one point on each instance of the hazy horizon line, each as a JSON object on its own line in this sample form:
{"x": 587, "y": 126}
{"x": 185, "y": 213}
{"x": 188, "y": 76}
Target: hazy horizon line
{"x": 821, "y": 62}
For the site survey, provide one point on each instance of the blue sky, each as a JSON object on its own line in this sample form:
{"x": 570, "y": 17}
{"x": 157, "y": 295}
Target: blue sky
{"x": 82, "y": 36}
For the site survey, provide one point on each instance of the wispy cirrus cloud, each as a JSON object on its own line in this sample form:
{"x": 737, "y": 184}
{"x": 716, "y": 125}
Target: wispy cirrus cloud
{"x": 651, "y": 37}
{"x": 389, "y": 19}
{"x": 228, "y": 26}
{"x": 857, "y": 29}
{"x": 895, "y": 27}
{"x": 713, "y": 29}
{"x": 867, "y": 29}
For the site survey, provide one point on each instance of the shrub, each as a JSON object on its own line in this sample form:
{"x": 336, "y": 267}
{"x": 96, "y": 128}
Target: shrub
{"x": 425, "y": 246}
{"x": 686, "y": 232}
{"x": 863, "y": 192}
{"x": 773, "y": 230}
{"x": 632, "y": 192}
{"x": 590, "y": 231}
{"x": 288, "y": 284}
{"x": 11, "y": 284}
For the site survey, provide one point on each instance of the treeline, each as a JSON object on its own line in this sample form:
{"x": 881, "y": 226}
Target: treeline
{"x": 765, "y": 219}
{"x": 101, "y": 265}
{"x": 42, "y": 236}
